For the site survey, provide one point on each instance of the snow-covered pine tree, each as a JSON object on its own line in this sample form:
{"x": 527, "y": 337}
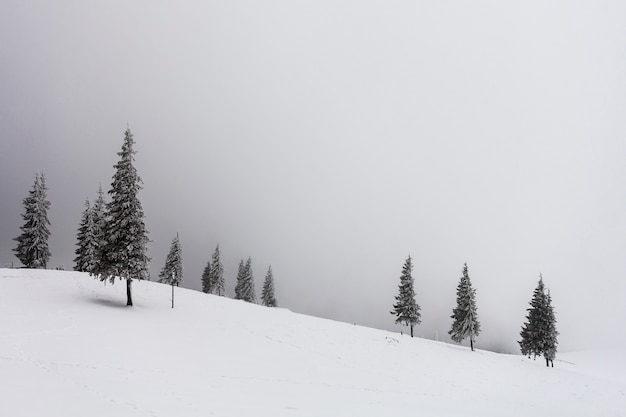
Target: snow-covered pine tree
{"x": 465, "y": 318}
{"x": 87, "y": 250}
{"x": 407, "y": 311}
{"x": 241, "y": 277}
{"x": 172, "y": 272}
{"x": 126, "y": 234}
{"x": 206, "y": 278}
{"x": 267, "y": 295}
{"x": 534, "y": 330}
{"x": 244, "y": 290}
{"x": 551, "y": 333}
{"x": 216, "y": 273}
{"x": 32, "y": 245}
{"x": 251, "y": 291}
{"x": 100, "y": 221}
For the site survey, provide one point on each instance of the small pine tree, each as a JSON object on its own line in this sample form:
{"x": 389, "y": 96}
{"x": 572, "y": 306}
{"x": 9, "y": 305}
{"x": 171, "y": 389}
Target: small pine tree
{"x": 217, "y": 273}
{"x": 267, "y": 295}
{"x": 244, "y": 290}
{"x": 206, "y": 278}
{"x": 32, "y": 245}
{"x": 126, "y": 235}
{"x": 172, "y": 272}
{"x": 465, "y": 317}
{"x": 534, "y": 330}
{"x": 87, "y": 250}
{"x": 407, "y": 311}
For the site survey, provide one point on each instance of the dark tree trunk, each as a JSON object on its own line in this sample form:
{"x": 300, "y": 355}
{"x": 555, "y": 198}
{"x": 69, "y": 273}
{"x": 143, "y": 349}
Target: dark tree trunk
{"x": 129, "y": 296}
{"x": 172, "y": 294}
{"x": 411, "y": 330}
{"x": 547, "y": 362}
{"x": 472, "y": 344}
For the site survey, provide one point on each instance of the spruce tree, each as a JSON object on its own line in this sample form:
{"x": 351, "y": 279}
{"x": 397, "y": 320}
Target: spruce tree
{"x": 267, "y": 295}
{"x": 534, "y": 330}
{"x": 465, "y": 318}
{"x": 172, "y": 272}
{"x": 241, "y": 277}
{"x": 87, "y": 250}
{"x": 126, "y": 235}
{"x": 244, "y": 290}
{"x": 100, "y": 221}
{"x": 551, "y": 333}
{"x": 32, "y": 245}
{"x": 407, "y": 311}
{"x": 206, "y": 278}
{"x": 216, "y": 273}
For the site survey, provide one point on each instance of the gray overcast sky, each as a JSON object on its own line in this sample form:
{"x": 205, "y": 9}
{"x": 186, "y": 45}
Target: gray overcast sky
{"x": 330, "y": 139}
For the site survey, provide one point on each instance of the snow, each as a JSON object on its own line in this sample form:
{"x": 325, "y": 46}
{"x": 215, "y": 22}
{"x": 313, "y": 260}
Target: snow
{"x": 69, "y": 346}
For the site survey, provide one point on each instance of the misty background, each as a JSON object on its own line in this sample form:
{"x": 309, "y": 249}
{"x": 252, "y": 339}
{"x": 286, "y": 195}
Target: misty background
{"x": 331, "y": 139}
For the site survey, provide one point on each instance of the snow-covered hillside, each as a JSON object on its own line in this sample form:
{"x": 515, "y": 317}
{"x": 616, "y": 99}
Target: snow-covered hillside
{"x": 70, "y": 347}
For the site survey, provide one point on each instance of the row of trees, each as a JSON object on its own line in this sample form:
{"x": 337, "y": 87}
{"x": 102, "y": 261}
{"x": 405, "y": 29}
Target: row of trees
{"x": 213, "y": 276}
{"x": 112, "y": 238}
{"x": 112, "y": 241}
{"x": 539, "y": 334}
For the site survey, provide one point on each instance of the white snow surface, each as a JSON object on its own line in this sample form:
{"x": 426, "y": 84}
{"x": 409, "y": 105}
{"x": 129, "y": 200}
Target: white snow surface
{"x": 69, "y": 346}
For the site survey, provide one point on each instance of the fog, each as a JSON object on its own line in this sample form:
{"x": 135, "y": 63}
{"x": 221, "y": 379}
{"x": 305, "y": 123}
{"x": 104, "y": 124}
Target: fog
{"x": 330, "y": 140}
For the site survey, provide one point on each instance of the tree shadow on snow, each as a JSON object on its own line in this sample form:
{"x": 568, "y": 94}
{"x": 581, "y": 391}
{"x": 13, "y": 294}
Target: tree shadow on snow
{"x": 108, "y": 303}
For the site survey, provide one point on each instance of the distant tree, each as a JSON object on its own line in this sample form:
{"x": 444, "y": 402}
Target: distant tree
{"x": 32, "y": 245}
{"x": 216, "y": 273}
{"x": 99, "y": 225}
{"x": 465, "y": 318}
{"x": 244, "y": 290}
{"x": 407, "y": 311}
{"x": 87, "y": 250}
{"x": 551, "y": 333}
{"x": 126, "y": 235}
{"x": 267, "y": 295}
{"x": 539, "y": 334}
{"x": 172, "y": 272}
{"x": 206, "y": 278}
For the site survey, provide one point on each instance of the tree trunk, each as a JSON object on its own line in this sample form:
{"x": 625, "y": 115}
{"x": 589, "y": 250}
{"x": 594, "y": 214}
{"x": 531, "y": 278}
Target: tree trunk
{"x": 547, "y": 362}
{"x": 411, "y": 330}
{"x": 129, "y": 297}
{"x": 172, "y": 294}
{"x": 472, "y": 344}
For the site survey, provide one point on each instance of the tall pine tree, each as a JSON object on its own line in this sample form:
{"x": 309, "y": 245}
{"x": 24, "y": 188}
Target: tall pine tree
{"x": 551, "y": 333}
{"x": 32, "y": 245}
{"x": 465, "y": 318}
{"x": 407, "y": 311}
{"x": 533, "y": 330}
{"x": 126, "y": 235}
{"x": 99, "y": 225}
{"x": 206, "y": 278}
{"x": 244, "y": 290}
{"x": 87, "y": 250}
{"x": 216, "y": 273}
{"x": 539, "y": 334}
{"x": 267, "y": 295}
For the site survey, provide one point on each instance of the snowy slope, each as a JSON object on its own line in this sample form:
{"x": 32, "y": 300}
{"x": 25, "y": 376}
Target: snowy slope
{"x": 70, "y": 347}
